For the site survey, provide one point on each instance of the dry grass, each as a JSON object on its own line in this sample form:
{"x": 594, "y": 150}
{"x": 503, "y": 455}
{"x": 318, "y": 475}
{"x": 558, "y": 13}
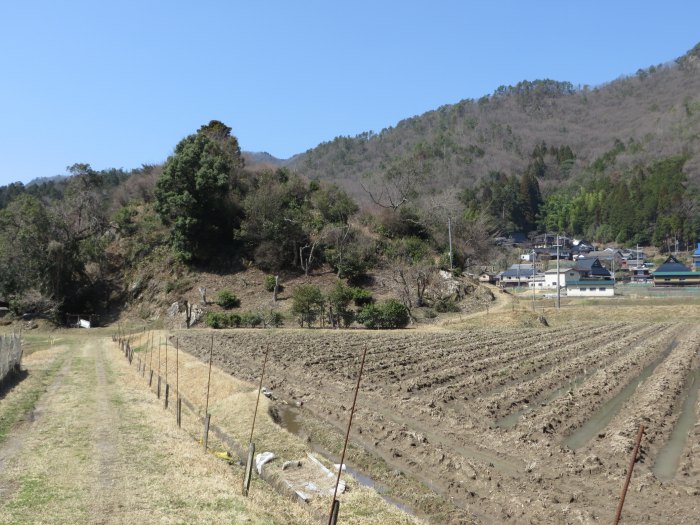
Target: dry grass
{"x": 126, "y": 464}
{"x": 232, "y": 404}
{"x": 103, "y": 450}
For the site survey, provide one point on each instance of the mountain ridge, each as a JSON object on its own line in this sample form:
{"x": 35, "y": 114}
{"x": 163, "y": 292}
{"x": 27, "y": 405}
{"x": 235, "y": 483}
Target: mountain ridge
{"x": 654, "y": 113}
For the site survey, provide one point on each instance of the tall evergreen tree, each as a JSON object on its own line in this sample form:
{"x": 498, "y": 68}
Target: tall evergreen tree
{"x": 194, "y": 192}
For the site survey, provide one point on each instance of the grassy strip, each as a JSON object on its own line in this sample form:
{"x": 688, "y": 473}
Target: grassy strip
{"x": 23, "y": 399}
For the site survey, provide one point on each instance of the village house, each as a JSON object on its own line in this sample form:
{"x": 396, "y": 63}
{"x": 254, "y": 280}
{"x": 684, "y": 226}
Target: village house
{"x": 516, "y": 275}
{"x": 589, "y": 278}
{"x": 610, "y": 257}
{"x": 551, "y": 280}
{"x": 674, "y": 273}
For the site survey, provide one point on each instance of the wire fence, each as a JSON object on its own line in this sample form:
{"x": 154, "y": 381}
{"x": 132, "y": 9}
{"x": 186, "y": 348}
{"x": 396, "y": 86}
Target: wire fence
{"x": 127, "y": 345}
{"x": 10, "y": 354}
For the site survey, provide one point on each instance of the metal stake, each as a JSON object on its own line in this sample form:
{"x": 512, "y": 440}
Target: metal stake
{"x": 633, "y": 459}
{"x": 251, "y": 445}
{"x": 205, "y": 438}
{"x": 335, "y": 507}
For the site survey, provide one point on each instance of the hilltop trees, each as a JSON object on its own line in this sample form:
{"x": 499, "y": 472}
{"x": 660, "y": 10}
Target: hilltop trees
{"x": 289, "y": 222}
{"x": 195, "y": 193}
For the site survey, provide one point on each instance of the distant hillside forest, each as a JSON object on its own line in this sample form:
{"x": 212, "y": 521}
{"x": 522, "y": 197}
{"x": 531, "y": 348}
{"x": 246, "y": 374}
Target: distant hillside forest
{"x": 616, "y": 163}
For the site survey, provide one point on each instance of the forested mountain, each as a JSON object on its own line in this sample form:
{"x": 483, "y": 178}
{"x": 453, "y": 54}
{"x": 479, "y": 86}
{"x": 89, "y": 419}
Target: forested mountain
{"x": 608, "y": 128}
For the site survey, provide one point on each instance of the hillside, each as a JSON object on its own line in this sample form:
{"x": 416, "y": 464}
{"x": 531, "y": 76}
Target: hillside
{"x": 655, "y": 113}
{"x": 616, "y": 163}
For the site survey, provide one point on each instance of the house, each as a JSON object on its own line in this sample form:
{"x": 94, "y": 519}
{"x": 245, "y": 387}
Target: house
{"x": 591, "y": 268}
{"x": 487, "y": 277}
{"x": 582, "y": 246}
{"x": 544, "y": 240}
{"x": 674, "y": 273}
{"x": 610, "y": 257}
{"x": 589, "y": 278}
{"x": 551, "y": 280}
{"x": 550, "y": 254}
{"x": 516, "y": 275}
{"x": 696, "y": 259}
{"x": 640, "y": 274}
{"x": 536, "y": 281}
{"x": 590, "y": 288}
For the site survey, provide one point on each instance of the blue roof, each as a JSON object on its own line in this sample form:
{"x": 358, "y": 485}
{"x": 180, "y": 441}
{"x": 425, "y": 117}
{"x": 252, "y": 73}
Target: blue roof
{"x": 672, "y": 265}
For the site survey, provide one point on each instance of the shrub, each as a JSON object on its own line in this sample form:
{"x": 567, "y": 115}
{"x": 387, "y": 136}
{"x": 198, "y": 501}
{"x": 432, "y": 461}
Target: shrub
{"x": 234, "y": 320}
{"x": 394, "y": 314}
{"x": 370, "y": 316}
{"x": 226, "y": 299}
{"x": 389, "y": 314}
{"x": 276, "y": 319}
{"x": 251, "y": 319}
{"x": 361, "y": 296}
{"x": 270, "y": 283}
{"x": 216, "y": 320}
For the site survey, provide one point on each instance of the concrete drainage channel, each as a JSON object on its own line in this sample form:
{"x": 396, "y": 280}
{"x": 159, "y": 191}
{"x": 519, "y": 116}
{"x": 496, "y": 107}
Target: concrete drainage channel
{"x": 289, "y": 421}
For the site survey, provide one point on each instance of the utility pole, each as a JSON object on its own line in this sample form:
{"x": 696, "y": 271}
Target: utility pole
{"x": 558, "y": 277}
{"x": 534, "y": 255}
{"x": 449, "y": 234}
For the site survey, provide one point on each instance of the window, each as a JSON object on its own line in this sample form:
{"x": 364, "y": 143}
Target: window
{"x": 581, "y": 289}
{"x": 601, "y": 289}
{"x": 591, "y": 289}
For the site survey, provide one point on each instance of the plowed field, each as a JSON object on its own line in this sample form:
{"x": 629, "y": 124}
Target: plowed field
{"x": 503, "y": 425}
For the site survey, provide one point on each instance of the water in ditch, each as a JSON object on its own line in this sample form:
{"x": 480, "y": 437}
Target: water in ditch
{"x": 666, "y": 464}
{"x": 609, "y": 410}
{"x": 288, "y": 420}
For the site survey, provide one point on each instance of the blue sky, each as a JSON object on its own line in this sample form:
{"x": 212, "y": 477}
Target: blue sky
{"x": 118, "y": 84}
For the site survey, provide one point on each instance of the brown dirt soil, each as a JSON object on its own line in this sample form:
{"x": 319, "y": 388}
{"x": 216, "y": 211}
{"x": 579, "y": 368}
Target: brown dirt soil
{"x": 431, "y": 400}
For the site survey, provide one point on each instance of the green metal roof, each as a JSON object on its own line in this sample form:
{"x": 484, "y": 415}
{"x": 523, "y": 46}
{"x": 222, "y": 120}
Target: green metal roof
{"x": 686, "y": 273}
{"x": 591, "y": 283}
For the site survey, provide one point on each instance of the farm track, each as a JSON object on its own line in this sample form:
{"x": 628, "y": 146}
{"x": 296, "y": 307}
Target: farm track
{"x": 429, "y": 402}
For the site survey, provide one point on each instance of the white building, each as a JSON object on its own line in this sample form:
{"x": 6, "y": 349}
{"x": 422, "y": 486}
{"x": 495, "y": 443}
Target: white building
{"x": 550, "y": 278}
{"x": 590, "y": 288}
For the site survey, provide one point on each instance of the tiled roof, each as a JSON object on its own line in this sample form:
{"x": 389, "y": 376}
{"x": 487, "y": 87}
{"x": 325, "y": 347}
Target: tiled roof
{"x": 672, "y": 265}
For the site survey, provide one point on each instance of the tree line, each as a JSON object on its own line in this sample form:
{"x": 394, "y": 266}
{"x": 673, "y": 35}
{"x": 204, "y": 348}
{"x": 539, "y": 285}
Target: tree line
{"x": 73, "y": 245}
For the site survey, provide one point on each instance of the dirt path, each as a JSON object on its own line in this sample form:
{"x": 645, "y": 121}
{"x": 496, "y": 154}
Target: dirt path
{"x": 101, "y": 450}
